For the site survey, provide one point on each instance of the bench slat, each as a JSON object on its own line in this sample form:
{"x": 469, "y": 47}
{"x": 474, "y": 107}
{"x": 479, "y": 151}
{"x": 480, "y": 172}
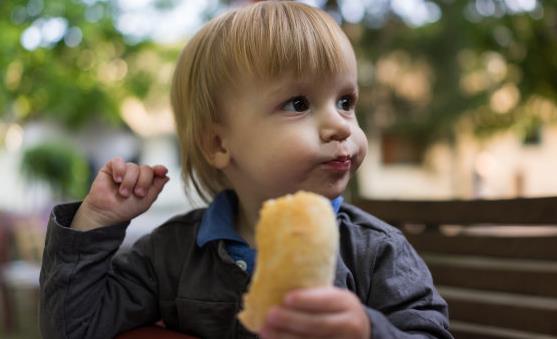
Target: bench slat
{"x": 543, "y": 248}
{"x": 506, "y": 275}
{"x": 463, "y": 330}
{"x": 523, "y": 211}
{"x": 511, "y": 311}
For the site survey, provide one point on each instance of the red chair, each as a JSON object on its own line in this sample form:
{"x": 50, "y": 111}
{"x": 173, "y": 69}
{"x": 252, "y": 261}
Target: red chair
{"x": 151, "y": 332}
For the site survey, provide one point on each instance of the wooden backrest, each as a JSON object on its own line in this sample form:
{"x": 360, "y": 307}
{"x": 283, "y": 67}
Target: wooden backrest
{"x": 497, "y": 286}
{"x": 522, "y": 211}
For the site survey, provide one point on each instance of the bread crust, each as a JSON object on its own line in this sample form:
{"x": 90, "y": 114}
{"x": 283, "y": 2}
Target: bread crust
{"x": 297, "y": 240}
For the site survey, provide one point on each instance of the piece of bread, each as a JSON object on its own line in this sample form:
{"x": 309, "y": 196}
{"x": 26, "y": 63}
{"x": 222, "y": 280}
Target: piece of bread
{"x": 297, "y": 240}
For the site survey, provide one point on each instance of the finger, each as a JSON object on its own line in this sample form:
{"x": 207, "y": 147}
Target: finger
{"x": 117, "y": 168}
{"x": 303, "y": 323}
{"x": 129, "y": 180}
{"x": 160, "y": 170}
{"x": 156, "y": 187}
{"x": 270, "y": 332}
{"x": 144, "y": 181}
{"x": 320, "y": 300}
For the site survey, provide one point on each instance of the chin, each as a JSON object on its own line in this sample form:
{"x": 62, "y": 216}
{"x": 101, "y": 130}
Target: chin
{"x": 327, "y": 188}
{"x": 332, "y": 195}
{"x": 330, "y": 192}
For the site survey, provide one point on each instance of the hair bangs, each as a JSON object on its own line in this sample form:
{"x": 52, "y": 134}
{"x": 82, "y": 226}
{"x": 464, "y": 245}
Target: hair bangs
{"x": 272, "y": 38}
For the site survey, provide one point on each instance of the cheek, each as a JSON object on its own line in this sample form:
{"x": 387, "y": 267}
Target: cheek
{"x": 272, "y": 148}
{"x": 360, "y": 140}
{"x": 295, "y": 142}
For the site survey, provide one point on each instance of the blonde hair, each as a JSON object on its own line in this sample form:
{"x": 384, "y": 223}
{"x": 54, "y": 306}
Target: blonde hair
{"x": 265, "y": 40}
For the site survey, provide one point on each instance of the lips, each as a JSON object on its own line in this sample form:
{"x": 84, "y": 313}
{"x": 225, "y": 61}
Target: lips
{"x": 339, "y": 164}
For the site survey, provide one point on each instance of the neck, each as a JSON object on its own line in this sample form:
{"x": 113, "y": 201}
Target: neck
{"x": 248, "y": 215}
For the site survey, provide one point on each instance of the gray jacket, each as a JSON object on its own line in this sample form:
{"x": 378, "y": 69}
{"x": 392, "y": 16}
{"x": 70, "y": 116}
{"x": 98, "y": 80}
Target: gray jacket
{"x": 89, "y": 291}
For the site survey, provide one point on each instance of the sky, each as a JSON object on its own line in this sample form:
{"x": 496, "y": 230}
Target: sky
{"x": 140, "y": 19}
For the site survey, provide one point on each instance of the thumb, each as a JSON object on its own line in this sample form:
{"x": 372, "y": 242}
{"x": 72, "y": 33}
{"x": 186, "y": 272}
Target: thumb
{"x": 158, "y": 185}
{"x": 160, "y": 171}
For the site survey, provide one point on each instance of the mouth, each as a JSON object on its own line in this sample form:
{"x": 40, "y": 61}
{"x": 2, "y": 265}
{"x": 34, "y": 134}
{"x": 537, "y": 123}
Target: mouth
{"x": 341, "y": 163}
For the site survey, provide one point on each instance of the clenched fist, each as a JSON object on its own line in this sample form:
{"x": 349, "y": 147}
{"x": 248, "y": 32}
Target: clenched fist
{"x": 120, "y": 192}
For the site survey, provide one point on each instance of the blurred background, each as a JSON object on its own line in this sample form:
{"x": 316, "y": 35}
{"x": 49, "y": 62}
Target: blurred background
{"x": 458, "y": 100}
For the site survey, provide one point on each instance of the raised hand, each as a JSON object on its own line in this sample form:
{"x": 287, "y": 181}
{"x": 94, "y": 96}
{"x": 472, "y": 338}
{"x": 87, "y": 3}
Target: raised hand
{"x": 120, "y": 192}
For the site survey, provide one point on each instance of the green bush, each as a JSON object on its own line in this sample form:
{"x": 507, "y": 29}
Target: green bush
{"x": 62, "y": 167}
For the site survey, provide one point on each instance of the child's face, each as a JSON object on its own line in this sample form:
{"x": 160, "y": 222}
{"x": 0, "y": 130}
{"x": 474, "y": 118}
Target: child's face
{"x": 293, "y": 134}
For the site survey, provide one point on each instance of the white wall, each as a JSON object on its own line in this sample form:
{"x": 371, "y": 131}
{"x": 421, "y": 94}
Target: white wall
{"x": 470, "y": 168}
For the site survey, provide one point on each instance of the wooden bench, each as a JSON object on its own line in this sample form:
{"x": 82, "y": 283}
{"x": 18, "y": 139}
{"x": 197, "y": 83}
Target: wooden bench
{"x": 499, "y": 282}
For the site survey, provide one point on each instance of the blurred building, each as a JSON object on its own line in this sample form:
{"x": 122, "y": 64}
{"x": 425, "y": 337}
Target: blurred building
{"x": 503, "y": 166}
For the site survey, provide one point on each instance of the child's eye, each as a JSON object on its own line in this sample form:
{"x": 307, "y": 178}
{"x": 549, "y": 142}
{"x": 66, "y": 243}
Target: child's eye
{"x": 345, "y": 103}
{"x": 296, "y": 104}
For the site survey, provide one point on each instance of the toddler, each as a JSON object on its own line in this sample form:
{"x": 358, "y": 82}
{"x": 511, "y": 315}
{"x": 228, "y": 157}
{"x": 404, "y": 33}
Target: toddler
{"x": 264, "y": 100}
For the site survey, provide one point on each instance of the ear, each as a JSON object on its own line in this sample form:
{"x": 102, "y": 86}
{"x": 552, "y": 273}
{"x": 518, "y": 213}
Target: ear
{"x": 215, "y": 148}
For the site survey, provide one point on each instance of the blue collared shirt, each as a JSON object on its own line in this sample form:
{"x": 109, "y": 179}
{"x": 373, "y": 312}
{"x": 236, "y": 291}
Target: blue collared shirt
{"x": 218, "y": 224}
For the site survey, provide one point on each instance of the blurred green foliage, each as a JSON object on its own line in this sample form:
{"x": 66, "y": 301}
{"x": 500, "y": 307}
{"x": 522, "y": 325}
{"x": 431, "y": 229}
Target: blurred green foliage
{"x": 59, "y": 165}
{"x": 80, "y": 68}
{"x": 492, "y": 72}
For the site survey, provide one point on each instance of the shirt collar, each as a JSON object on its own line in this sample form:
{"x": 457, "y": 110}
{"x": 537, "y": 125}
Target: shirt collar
{"x": 336, "y": 202}
{"x": 218, "y": 220}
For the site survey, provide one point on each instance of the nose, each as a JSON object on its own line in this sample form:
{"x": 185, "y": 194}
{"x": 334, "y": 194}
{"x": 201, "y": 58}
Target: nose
{"x": 334, "y": 126}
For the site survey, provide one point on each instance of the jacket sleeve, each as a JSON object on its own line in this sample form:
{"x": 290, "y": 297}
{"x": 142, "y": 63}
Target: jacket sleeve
{"x": 403, "y": 302}
{"x": 86, "y": 291}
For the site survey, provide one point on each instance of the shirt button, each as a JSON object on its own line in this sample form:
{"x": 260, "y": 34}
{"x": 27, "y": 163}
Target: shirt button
{"x": 242, "y": 264}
